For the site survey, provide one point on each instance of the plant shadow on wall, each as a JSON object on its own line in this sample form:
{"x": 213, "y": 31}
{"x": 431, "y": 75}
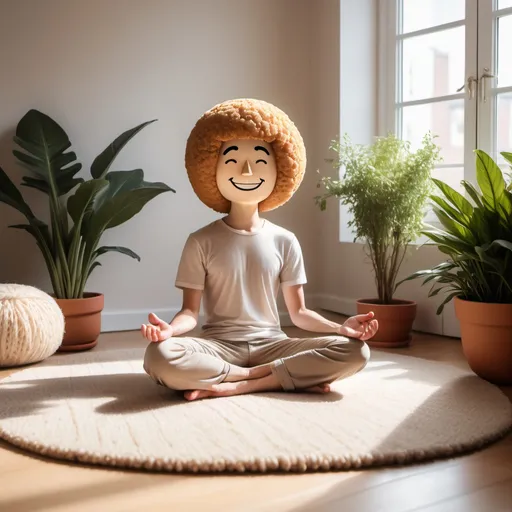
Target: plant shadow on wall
{"x": 80, "y": 211}
{"x": 386, "y": 186}
{"x": 476, "y": 235}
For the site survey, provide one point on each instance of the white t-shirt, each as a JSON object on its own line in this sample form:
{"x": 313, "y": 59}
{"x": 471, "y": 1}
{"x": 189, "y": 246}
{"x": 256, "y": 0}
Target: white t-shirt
{"x": 240, "y": 274}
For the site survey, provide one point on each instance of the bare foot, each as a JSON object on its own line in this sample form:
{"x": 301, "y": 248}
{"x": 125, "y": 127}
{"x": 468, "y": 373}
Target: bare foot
{"x": 267, "y": 383}
{"x": 322, "y": 388}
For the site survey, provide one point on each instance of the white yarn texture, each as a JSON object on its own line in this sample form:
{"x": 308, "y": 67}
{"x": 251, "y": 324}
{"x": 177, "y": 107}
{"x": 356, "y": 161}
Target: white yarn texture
{"x": 100, "y": 407}
{"x": 31, "y": 325}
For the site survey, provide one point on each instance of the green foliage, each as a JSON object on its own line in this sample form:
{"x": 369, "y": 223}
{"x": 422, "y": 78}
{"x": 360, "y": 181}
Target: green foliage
{"x": 80, "y": 211}
{"x": 386, "y": 186}
{"x": 477, "y": 237}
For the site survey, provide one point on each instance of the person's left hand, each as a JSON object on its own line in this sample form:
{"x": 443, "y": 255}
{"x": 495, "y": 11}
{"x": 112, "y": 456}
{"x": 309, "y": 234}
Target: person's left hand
{"x": 362, "y": 327}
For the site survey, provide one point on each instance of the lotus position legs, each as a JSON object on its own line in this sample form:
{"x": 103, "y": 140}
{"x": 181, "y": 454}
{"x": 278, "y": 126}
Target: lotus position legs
{"x": 204, "y": 368}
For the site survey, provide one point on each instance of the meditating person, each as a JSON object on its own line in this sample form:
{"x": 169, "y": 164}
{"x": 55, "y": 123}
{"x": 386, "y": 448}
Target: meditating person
{"x": 245, "y": 157}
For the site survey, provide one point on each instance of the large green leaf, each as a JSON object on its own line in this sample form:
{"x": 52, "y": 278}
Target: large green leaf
{"x": 123, "y": 250}
{"x": 452, "y": 212}
{"x": 505, "y": 207}
{"x": 457, "y": 199}
{"x": 9, "y": 194}
{"x": 501, "y": 243}
{"x": 40, "y": 231}
{"x": 123, "y": 207}
{"x": 120, "y": 183}
{"x": 490, "y": 179}
{"x": 454, "y": 227}
{"x": 64, "y": 185}
{"x": 104, "y": 160}
{"x": 455, "y": 243}
{"x": 473, "y": 193}
{"x": 80, "y": 203}
{"x": 507, "y": 156}
{"x": 92, "y": 267}
{"x": 478, "y": 225}
{"x": 496, "y": 263}
{"x": 46, "y": 145}
{"x": 447, "y": 299}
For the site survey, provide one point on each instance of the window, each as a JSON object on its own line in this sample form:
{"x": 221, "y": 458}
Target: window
{"x": 495, "y": 99}
{"x": 445, "y": 67}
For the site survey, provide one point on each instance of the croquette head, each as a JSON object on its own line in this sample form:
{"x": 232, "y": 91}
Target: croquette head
{"x": 244, "y": 119}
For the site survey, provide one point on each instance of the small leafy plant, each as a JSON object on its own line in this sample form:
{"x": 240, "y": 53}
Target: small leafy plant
{"x": 386, "y": 186}
{"x": 476, "y": 235}
{"x": 80, "y": 211}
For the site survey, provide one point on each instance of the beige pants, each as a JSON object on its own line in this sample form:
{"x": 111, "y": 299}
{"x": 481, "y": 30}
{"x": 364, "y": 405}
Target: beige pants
{"x": 197, "y": 363}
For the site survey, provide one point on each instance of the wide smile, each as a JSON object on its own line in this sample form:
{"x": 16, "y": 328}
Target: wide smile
{"x": 246, "y": 186}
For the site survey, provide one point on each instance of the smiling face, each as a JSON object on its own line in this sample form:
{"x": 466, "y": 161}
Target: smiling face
{"x": 246, "y": 171}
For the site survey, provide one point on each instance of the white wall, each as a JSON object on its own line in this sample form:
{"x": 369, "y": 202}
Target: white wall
{"x": 99, "y": 67}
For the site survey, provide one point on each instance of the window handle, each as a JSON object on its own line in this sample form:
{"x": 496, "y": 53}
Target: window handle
{"x": 471, "y": 87}
{"x": 483, "y": 90}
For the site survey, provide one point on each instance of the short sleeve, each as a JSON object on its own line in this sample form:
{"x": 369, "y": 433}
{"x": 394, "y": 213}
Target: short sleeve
{"x": 293, "y": 271}
{"x": 191, "y": 269}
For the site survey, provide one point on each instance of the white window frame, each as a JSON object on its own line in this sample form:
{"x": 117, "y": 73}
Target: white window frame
{"x": 487, "y": 59}
{"x": 389, "y": 75}
{"x": 481, "y": 44}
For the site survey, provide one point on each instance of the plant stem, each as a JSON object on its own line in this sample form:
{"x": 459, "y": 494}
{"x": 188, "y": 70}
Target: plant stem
{"x": 81, "y": 272}
{"x": 60, "y": 254}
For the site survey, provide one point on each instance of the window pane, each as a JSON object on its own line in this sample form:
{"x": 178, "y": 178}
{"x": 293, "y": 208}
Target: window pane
{"x": 433, "y": 64}
{"x": 445, "y": 119}
{"x": 451, "y": 176}
{"x": 419, "y": 14}
{"x": 503, "y": 4}
{"x": 503, "y": 124}
{"x": 504, "y": 45}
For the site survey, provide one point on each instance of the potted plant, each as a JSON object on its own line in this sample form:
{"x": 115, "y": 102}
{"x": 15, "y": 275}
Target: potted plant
{"x": 476, "y": 234}
{"x": 386, "y": 186}
{"x": 79, "y": 211}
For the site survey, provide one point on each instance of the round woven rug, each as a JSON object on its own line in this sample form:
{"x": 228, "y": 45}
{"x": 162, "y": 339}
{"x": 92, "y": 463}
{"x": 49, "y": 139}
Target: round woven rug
{"x": 101, "y": 408}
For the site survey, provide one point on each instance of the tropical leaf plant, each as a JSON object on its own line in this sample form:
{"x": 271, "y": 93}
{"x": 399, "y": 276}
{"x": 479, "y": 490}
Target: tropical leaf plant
{"x": 476, "y": 234}
{"x": 80, "y": 211}
{"x": 386, "y": 186}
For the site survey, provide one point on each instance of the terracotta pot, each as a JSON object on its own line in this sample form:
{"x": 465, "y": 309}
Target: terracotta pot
{"x": 82, "y": 321}
{"x": 395, "y": 321}
{"x": 486, "y": 333}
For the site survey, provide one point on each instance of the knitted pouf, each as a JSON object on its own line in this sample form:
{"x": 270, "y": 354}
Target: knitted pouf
{"x": 31, "y": 325}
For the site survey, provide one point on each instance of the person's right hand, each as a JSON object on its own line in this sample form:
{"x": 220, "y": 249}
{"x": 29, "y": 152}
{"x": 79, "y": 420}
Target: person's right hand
{"x": 157, "y": 330}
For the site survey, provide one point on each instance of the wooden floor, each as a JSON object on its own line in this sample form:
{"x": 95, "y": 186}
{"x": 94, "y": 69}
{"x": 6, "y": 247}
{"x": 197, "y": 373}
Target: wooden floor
{"x": 480, "y": 481}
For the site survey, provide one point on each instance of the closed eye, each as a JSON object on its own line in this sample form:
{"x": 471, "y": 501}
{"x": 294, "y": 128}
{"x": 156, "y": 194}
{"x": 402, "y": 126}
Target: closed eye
{"x": 230, "y": 160}
{"x": 261, "y": 161}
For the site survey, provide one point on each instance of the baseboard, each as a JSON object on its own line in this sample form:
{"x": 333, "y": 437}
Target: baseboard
{"x": 130, "y": 320}
{"x": 342, "y": 305}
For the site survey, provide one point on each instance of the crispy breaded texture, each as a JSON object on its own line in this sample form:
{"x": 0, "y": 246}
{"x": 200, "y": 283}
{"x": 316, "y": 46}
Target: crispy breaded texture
{"x": 244, "y": 119}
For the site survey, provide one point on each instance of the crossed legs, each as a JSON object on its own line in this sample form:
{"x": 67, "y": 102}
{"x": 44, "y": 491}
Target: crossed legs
{"x": 204, "y": 368}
